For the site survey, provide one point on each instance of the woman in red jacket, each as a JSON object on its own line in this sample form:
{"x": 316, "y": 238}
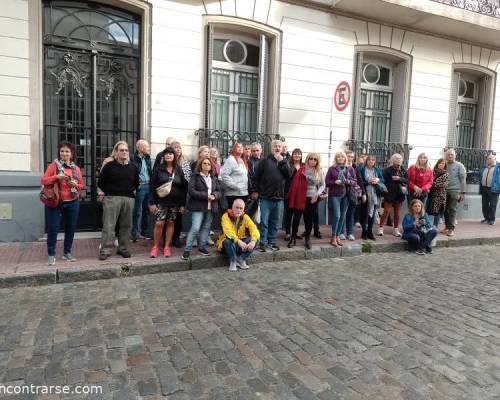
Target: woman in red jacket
{"x": 64, "y": 173}
{"x": 420, "y": 179}
{"x": 296, "y": 197}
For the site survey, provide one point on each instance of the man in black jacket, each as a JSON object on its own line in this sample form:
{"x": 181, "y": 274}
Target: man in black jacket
{"x": 119, "y": 179}
{"x": 142, "y": 160}
{"x": 270, "y": 176}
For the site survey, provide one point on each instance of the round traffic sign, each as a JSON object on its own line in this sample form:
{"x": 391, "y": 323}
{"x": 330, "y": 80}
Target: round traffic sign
{"x": 342, "y": 96}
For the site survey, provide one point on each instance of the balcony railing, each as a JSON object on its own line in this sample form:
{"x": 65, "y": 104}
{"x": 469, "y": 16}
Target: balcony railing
{"x": 382, "y": 150}
{"x": 473, "y": 160}
{"x": 224, "y": 140}
{"x": 485, "y": 7}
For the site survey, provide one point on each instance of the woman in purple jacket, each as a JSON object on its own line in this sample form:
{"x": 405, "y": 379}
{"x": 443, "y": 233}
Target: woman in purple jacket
{"x": 339, "y": 179}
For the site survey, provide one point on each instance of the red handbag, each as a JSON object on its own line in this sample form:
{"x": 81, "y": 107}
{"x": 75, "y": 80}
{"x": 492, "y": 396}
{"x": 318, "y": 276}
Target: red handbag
{"x": 49, "y": 195}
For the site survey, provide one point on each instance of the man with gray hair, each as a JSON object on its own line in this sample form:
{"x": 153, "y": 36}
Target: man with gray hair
{"x": 270, "y": 176}
{"x": 455, "y": 191}
{"x": 489, "y": 189}
{"x": 142, "y": 161}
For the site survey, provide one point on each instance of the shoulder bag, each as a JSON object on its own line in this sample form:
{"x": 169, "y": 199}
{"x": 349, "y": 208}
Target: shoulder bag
{"x": 164, "y": 190}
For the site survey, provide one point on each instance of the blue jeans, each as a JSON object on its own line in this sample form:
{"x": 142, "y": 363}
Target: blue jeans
{"x": 70, "y": 210}
{"x": 234, "y": 251}
{"x": 417, "y": 241}
{"x": 141, "y": 210}
{"x": 201, "y": 221}
{"x": 338, "y": 206}
{"x": 437, "y": 218}
{"x": 270, "y": 212}
{"x": 349, "y": 219}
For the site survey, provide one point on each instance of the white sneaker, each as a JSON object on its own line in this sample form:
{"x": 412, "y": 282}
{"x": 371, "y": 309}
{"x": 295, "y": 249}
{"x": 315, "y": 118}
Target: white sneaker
{"x": 396, "y": 232}
{"x": 380, "y": 231}
{"x": 195, "y": 243}
{"x": 351, "y": 237}
{"x": 210, "y": 242}
{"x": 232, "y": 266}
{"x": 241, "y": 263}
{"x": 115, "y": 243}
{"x": 342, "y": 236}
{"x": 52, "y": 260}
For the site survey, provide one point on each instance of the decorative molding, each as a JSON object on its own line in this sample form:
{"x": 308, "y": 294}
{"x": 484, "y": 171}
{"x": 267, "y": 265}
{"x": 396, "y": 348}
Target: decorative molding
{"x": 491, "y": 8}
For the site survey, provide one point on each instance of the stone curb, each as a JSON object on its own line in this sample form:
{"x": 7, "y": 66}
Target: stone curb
{"x": 110, "y": 271}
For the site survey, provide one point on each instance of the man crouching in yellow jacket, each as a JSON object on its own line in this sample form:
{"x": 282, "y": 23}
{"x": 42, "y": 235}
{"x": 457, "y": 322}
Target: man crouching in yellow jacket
{"x": 239, "y": 236}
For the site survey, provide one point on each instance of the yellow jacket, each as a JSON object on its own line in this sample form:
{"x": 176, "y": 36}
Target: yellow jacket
{"x": 231, "y": 231}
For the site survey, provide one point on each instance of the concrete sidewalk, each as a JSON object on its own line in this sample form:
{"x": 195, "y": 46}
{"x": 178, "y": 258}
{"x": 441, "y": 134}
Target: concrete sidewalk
{"x": 26, "y": 263}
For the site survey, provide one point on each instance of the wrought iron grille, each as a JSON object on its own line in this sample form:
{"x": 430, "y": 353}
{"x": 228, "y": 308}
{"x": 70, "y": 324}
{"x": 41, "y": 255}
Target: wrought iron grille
{"x": 375, "y": 115}
{"x": 382, "y": 150}
{"x": 485, "y": 7}
{"x": 91, "y": 88}
{"x": 473, "y": 160}
{"x": 466, "y": 123}
{"x": 223, "y": 140}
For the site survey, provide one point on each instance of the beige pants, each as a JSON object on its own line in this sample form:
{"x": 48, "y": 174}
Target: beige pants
{"x": 116, "y": 209}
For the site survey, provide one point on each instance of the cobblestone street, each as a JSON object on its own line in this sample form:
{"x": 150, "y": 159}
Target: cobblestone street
{"x": 384, "y": 326}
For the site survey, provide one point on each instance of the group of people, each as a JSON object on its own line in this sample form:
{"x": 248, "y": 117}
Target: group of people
{"x": 249, "y": 195}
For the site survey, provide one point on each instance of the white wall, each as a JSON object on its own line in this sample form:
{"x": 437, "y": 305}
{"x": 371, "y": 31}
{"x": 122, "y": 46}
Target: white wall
{"x": 14, "y": 86}
{"x": 317, "y": 53}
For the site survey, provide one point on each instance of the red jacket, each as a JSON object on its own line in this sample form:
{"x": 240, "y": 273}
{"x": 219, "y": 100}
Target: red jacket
{"x": 420, "y": 177}
{"x": 298, "y": 189}
{"x": 50, "y": 177}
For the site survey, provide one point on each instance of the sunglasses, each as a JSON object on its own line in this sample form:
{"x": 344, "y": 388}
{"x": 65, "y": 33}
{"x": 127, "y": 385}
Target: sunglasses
{"x": 125, "y": 150}
{"x": 313, "y": 159}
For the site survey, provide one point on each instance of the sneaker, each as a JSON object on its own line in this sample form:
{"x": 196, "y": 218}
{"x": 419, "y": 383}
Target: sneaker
{"x": 351, "y": 237}
{"x": 342, "y": 236}
{"x": 450, "y": 233}
{"x": 204, "y": 252}
{"x": 115, "y": 243}
{"x": 166, "y": 251}
{"x": 273, "y": 247}
{"x": 396, "y": 232}
{"x": 317, "y": 235}
{"x": 420, "y": 252}
{"x": 103, "y": 256}
{"x": 491, "y": 222}
{"x": 484, "y": 221}
{"x": 210, "y": 242}
{"x": 380, "y": 231}
{"x": 241, "y": 263}
{"x": 145, "y": 236}
{"x": 195, "y": 243}
{"x": 287, "y": 237}
{"x": 183, "y": 235}
{"x": 262, "y": 248}
{"x": 124, "y": 253}
{"x": 134, "y": 238}
{"x": 428, "y": 249}
{"x": 232, "y": 266}
{"x": 69, "y": 257}
{"x": 154, "y": 252}
{"x": 185, "y": 255}
{"x": 52, "y": 260}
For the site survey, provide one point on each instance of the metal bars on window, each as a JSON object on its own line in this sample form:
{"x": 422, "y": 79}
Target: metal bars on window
{"x": 375, "y": 115}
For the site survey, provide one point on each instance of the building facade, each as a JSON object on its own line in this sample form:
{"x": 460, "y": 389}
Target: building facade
{"x": 415, "y": 76}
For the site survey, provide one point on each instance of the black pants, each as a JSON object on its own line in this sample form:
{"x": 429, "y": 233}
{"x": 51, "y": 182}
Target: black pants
{"x": 296, "y": 216}
{"x": 286, "y": 223}
{"x": 490, "y": 201}
{"x": 315, "y": 217}
{"x": 310, "y": 211}
{"x": 364, "y": 218}
{"x": 177, "y": 228}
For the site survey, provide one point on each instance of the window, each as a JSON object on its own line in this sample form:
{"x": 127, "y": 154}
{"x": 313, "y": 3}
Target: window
{"x": 471, "y": 108}
{"x": 381, "y": 97}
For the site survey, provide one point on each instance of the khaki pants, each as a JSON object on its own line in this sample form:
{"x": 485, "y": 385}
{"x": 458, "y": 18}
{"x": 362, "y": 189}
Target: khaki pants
{"x": 450, "y": 212}
{"x": 116, "y": 208}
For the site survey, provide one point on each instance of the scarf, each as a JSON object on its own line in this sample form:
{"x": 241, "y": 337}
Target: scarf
{"x": 60, "y": 170}
{"x": 371, "y": 194}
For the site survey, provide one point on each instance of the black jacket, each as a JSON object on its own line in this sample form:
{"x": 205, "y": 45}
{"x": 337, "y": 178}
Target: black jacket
{"x": 136, "y": 159}
{"x": 394, "y": 194}
{"x": 252, "y": 166}
{"x": 198, "y": 193}
{"x": 177, "y": 196}
{"x": 270, "y": 178}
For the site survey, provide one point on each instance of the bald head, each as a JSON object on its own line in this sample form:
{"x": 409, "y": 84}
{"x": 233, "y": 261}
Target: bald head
{"x": 238, "y": 207}
{"x": 142, "y": 147}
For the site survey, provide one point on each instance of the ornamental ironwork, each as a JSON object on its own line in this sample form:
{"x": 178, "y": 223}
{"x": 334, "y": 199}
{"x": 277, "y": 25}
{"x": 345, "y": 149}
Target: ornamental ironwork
{"x": 223, "y": 140}
{"x": 473, "y": 160}
{"x": 485, "y": 7}
{"x": 68, "y": 74}
{"x": 381, "y": 150}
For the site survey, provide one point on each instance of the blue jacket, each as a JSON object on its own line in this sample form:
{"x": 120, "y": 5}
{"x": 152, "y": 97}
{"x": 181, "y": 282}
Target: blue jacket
{"x": 364, "y": 182}
{"x": 495, "y": 182}
{"x": 409, "y": 222}
{"x": 138, "y": 163}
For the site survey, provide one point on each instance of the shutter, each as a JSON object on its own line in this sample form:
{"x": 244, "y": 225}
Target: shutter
{"x": 399, "y": 101}
{"x": 451, "y": 140}
{"x": 481, "y": 114}
{"x": 356, "y": 134}
{"x": 263, "y": 83}
{"x": 208, "y": 74}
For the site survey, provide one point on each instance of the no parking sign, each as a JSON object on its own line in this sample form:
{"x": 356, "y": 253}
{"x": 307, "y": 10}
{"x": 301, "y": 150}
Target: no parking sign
{"x": 342, "y": 96}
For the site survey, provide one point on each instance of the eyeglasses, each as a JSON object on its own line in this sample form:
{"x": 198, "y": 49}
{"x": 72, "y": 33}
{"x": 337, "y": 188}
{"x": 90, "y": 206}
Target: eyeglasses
{"x": 313, "y": 159}
{"x": 124, "y": 150}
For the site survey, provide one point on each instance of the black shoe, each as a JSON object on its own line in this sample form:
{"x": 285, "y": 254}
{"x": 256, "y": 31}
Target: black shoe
{"x": 491, "y": 222}
{"x": 317, "y": 235}
{"x": 298, "y": 237}
{"x": 287, "y": 237}
{"x": 103, "y": 256}
{"x": 273, "y": 247}
{"x": 204, "y": 252}
{"x": 428, "y": 249}
{"x": 134, "y": 238}
{"x": 124, "y": 253}
{"x": 307, "y": 242}
{"x": 185, "y": 255}
{"x": 370, "y": 236}
{"x": 262, "y": 248}
{"x": 291, "y": 243}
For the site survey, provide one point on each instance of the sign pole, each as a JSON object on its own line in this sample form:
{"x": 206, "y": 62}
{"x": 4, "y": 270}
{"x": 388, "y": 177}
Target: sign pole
{"x": 330, "y": 140}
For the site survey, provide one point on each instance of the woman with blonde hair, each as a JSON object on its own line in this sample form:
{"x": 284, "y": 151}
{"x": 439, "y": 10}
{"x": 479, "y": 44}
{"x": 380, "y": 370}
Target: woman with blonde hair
{"x": 396, "y": 181}
{"x": 234, "y": 176}
{"x": 315, "y": 192}
{"x": 214, "y": 157}
{"x": 419, "y": 179}
{"x": 339, "y": 179}
{"x": 417, "y": 229}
